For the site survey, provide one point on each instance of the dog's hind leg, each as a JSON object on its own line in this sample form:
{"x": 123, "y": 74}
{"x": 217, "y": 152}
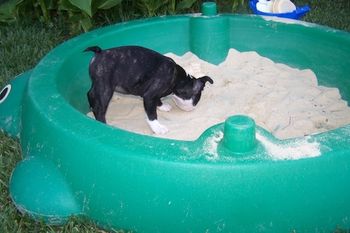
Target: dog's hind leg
{"x": 99, "y": 101}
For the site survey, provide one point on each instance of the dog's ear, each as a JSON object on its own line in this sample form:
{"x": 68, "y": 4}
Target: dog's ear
{"x": 199, "y": 83}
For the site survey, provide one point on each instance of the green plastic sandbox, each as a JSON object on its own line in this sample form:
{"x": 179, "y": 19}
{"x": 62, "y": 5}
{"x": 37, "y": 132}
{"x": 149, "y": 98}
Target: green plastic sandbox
{"x": 74, "y": 165}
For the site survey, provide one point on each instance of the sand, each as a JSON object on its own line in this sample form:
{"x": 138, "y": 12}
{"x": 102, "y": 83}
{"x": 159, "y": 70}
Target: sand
{"x": 286, "y": 101}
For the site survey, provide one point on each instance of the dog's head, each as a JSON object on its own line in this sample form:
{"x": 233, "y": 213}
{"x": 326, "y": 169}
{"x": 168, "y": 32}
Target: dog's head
{"x": 188, "y": 93}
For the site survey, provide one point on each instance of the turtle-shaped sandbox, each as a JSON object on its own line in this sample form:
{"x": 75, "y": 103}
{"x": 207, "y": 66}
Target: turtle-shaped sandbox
{"x": 74, "y": 165}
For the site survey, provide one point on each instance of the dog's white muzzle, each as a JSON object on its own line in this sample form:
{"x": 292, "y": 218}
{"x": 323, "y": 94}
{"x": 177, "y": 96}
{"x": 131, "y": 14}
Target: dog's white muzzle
{"x": 186, "y": 105}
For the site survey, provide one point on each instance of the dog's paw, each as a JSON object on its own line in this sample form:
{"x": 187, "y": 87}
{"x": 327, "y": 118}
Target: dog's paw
{"x": 157, "y": 128}
{"x": 165, "y": 107}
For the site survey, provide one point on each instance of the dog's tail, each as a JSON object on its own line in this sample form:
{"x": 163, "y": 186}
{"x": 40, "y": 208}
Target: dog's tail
{"x": 94, "y": 49}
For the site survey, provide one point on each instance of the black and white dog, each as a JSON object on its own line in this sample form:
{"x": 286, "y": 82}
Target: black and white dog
{"x": 142, "y": 72}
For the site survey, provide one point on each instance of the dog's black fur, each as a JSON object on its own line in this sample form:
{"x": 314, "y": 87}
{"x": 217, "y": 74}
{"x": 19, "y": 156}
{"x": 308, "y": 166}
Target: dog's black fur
{"x": 138, "y": 71}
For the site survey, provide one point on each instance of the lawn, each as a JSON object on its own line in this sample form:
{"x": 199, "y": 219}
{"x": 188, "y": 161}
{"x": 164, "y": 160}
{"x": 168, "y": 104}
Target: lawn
{"x": 24, "y": 43}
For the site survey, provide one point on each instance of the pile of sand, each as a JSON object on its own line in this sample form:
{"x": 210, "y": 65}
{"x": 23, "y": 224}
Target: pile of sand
{"x": 285, "y": 101}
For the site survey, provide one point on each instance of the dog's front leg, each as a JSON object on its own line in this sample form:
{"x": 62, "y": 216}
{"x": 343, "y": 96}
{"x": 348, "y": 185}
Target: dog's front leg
{"x": 165, "y": 107}
{"x": 150, "y": 105}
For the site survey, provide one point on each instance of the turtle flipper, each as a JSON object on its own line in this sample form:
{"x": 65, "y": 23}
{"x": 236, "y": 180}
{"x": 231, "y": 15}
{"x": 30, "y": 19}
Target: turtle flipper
{"x": 39, "y": 189}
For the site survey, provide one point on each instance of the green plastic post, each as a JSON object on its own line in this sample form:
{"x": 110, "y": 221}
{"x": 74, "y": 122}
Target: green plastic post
{"x": 209, "y": 9}
{"x": 239, "y": 134}
{"x": 209, "y": 35}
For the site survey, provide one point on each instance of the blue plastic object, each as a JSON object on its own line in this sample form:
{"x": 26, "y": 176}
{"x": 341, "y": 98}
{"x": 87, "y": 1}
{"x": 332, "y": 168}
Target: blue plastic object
{"x": 297, "y": 14}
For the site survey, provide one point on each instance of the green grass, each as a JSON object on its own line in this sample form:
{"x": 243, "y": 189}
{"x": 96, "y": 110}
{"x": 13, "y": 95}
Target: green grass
{"x": 335, "y": 13}
{"x": 23, "y": 44}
